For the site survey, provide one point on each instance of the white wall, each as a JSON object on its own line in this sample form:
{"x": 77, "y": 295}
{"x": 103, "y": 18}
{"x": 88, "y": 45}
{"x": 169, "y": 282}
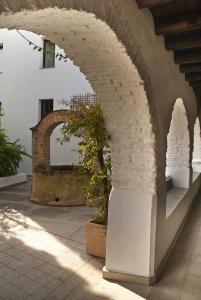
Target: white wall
{"x": 23, "y": 82}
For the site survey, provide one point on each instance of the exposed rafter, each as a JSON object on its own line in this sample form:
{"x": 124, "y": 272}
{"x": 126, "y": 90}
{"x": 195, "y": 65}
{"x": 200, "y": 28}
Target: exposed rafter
{"x": 193, "y": 76}
{"x": 151, "y": 3}
{"x": 187, "y": 40}
{"x": 189, "y": 68}
{"x": 196, "y": 84}
{"x": 178, "y": 24}
{"x": 188, "y": 56}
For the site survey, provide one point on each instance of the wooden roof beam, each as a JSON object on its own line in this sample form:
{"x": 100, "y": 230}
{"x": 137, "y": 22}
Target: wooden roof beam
{"x": 151, "y": 3}
{"x": 189, "y": 68}
{"x": 188, "y": 56}
{"x": 196, "y": 85}
{"x": 178, "y": 24}
{"x": 193, "y": 76}
{"x": 181, "y": 41}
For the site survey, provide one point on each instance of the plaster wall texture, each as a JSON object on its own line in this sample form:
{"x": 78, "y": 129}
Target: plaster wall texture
{"x": 137, "y": 84}
{"x": 23, "y": 83}
{"x": 178, "y": 147}
{"x": 197, "y": 147}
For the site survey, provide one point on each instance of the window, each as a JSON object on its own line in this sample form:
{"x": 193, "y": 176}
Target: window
{"x": 48, "y": 54}
{"x": 1, "y": 58}
{"x": 46, "y": 106}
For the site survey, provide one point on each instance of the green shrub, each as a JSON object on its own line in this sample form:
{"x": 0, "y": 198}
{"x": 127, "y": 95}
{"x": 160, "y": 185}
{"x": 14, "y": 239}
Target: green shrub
{"x": 10, "y": 154}
{"x": 87, "y": 123}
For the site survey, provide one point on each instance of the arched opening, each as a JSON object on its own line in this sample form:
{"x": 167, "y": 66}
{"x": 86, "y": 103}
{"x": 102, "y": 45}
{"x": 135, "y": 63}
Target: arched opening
{"x": 177, "y": 157}
{"x": 67, "y": 152}
{"x": 95, "y": 48}
{"x": 53, "y": 185}
{"x": 45, "y": 89}
{"x": 196, "y": 162}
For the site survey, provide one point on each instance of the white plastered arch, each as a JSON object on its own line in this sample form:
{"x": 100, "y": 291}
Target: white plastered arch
{"x": 94, "y": 47}
{"x": 178, "y": 147}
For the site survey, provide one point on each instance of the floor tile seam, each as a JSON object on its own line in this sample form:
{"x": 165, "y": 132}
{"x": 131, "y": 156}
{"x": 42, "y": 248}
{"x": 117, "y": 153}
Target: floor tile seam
{"x": 39, "y": 229}
{"x": 18, "y": 288}
{"x": 76, "y": 231}
{"x": 14, "y": 193}
{"x": 74, "y": 272}
{"x": 188, "y": 264}
{"x": 23, "y": 202}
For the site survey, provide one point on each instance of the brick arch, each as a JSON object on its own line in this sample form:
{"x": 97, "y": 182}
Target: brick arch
{"x": 178, "y": 147}
{"x": 41, "y": 134}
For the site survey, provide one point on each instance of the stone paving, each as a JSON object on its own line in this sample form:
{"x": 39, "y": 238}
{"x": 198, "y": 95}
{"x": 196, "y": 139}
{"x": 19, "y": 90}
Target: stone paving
{"x": 42, "y": 256}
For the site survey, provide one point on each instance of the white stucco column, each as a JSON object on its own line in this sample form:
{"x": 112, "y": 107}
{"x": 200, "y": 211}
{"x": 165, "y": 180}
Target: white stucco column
{"x": 131, "y": 236}
{"x": 196, "y": 163}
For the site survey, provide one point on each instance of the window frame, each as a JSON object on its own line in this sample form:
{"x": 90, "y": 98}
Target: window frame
{"x": 43, "y": 114}
{"x": 45, "y": 55}
{"x": 2, "y": 49}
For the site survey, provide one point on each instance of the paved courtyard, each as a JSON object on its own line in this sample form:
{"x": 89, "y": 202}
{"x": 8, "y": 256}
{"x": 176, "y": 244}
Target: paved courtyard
{"x": 42, "y": 256}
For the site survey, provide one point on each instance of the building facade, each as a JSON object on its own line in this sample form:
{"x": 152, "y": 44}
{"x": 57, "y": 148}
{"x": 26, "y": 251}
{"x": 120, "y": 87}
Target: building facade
{"x": 33, "y": 82}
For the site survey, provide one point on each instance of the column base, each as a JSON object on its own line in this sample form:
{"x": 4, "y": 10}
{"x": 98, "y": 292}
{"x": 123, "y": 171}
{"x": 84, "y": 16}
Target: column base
{"x": 128, "y": 278}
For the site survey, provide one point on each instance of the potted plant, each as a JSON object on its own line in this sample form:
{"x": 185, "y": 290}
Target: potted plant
{"x": 86, "y": 122}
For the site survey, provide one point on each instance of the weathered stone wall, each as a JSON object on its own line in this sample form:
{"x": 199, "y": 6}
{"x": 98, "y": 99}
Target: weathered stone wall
{"x": 58, "y": 188}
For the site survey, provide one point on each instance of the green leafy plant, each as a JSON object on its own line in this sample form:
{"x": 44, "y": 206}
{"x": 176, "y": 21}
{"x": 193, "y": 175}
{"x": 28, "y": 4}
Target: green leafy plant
{"x": 86, "y": 122}
{"x": 10, "y": 154}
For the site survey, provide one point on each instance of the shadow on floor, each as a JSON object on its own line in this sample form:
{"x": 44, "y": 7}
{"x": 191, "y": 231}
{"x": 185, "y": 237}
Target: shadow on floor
{"x": 42, "y": 253}
{"x": 42, "y": 256}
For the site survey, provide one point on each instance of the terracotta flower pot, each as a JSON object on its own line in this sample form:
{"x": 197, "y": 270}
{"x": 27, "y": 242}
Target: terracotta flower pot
{"x": 96, "y": 239}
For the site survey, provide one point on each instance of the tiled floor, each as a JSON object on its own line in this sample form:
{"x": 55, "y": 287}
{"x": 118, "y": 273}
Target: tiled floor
{"x": 42, "y": 256}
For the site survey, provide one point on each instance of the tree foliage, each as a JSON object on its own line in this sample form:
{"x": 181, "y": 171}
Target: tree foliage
{"x": 87, "y": 123}
{"x": 10, "y": 154}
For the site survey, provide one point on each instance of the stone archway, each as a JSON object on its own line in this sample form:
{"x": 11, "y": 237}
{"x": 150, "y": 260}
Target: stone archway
{"x": 56, "y": 186}
{"x": 41, "y": 138}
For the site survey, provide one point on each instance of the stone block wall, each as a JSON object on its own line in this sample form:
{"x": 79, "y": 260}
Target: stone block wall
{"x": 58, "y": 188}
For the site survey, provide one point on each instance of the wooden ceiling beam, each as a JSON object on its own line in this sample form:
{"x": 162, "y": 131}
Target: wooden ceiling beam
{"x": 178, "y": 24}
{"x": 189, "y": 68}
{"x": 189, "y": 40}
{"x": 193, "y": 76}
{"x": 188, "y": 56}
{"x": 151, "y": 3}
{"x": 196, "y": 85}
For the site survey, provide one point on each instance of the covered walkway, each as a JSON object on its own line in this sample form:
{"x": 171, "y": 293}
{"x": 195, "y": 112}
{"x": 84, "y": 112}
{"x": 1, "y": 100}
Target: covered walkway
{"x": 42, "y": 256}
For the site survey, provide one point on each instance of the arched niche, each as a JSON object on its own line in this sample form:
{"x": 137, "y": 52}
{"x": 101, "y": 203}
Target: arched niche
{"x": 178, "y": 147}
{"x": 94, "y": 46}
{"x": 196, "y": 159}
